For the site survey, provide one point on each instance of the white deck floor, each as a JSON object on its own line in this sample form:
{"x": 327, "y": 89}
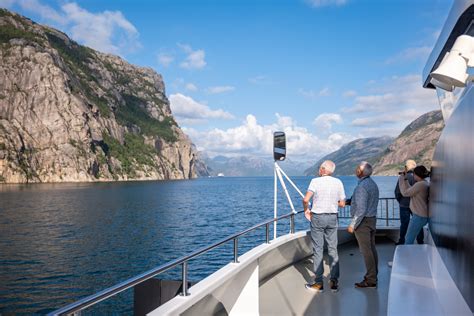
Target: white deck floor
{"x": 284, "y": 293}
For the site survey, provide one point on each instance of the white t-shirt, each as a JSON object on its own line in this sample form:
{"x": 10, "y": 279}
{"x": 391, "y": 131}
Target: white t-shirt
{"x": 327, "y": 191}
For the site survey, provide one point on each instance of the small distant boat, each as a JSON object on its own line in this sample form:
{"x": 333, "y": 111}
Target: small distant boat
{"x": 220, "y": 174}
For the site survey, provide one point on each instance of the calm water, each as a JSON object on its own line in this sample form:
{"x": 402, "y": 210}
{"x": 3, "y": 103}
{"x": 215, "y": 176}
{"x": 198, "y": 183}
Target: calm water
{"x": 61, "y": 242}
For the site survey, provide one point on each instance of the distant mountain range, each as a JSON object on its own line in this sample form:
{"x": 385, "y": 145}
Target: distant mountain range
{"x": 417, "y": 141}
{"x": 242, "y": 166}
{"x": 347, "y": 157}
{"x": 387, "y": 154}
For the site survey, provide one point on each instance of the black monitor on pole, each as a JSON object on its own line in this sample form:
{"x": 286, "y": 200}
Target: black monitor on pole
{"x": 279, "y": 146}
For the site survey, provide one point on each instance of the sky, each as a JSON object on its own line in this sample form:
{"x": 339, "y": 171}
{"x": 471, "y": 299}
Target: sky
{"x": 323, "y": 71}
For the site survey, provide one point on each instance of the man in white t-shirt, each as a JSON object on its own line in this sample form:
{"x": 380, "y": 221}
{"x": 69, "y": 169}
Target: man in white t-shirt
{"x": 328, "y": 195}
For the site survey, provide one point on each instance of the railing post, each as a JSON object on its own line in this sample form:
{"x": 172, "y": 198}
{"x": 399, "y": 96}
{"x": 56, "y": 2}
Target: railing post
{"x": 236, "y": 250}
{"x": 386, "y": 211}
{"x": 292, "y": 223}
{"x": 267, "y": 233}
{"x": 185, "y": 279}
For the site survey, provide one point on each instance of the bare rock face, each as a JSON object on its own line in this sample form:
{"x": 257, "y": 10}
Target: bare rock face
{"x": 417, "y": 141}
{"x": 69, "y": 113}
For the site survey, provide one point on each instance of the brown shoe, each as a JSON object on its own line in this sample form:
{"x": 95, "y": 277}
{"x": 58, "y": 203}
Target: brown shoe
{"x": 315, "y": 287}
{"x": 366, "y": 285}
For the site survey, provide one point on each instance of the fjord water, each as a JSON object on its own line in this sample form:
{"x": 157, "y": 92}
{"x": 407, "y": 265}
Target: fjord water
{"x": 62, "y": 242}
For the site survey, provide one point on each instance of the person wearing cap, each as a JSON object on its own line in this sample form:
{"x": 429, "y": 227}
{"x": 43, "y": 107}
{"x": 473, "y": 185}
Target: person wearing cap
{"x": 404, "y": 202}
{"x": 418, "y": 193}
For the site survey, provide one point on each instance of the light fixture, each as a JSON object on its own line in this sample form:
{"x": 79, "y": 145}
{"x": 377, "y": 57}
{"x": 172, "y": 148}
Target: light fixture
{"x": 452, "y": 70}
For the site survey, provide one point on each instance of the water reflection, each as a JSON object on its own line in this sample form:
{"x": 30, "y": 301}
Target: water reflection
{"x": 61, "y": 242}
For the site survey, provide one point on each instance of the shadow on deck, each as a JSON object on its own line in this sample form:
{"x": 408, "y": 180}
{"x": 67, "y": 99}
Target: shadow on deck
{"x": 284, "y": 293}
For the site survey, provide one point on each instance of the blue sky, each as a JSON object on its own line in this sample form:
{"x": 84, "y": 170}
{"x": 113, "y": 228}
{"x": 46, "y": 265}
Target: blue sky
{"x": 324, "y": 71}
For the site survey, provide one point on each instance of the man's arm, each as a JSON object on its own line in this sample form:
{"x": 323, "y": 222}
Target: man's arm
{"x": 360, "y": 200}
{"x": 342, "y": 195}
{"x": 307, "y": 211}
{"x": 407, "y": 189}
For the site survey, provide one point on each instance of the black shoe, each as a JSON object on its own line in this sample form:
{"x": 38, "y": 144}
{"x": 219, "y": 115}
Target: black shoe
{"x": 399, "y": 243}
{"x": 333, "y": 284}
{"x": 315, "y": 287}
{"x": 366, "y": 285}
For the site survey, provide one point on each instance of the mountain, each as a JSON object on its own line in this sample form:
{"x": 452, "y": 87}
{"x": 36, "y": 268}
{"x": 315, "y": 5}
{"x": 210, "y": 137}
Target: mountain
{"x": 242, "y": 166}
{"x": 417, "y": 141}
{"x": 349, "y": 155}
{"x": 70, "y": 113}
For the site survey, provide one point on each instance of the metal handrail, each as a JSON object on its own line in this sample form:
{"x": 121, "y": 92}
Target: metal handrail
{"x": 118, "y": 288}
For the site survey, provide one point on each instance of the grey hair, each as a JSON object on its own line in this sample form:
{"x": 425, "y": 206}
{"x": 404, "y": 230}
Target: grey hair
{"x": 365, "y": 168}
{"x": 329, "y": 166}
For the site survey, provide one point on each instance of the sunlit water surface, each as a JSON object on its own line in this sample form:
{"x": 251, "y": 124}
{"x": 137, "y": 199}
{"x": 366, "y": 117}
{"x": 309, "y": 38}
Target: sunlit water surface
{"x": 61, "y": 242}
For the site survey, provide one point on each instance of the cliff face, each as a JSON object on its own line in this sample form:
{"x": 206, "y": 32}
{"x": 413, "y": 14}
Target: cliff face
{"x": 69, "y": 113}
{"x": 417, "y": 141}
{"x": 351, "y": 154}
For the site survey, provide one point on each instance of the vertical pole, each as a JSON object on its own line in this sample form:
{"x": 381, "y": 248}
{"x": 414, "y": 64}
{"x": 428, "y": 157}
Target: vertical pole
{"x": 236, "y": 250}
{"x": 292, "y": 223}
{"x": 267, "y": 233}
{"x": 275, "y": 202}
{"x": 185, "y": 279}
{"x": 386, "y": 211}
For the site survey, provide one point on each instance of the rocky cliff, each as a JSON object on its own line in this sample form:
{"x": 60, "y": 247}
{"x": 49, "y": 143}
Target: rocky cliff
{"x": 417, "y": 141}
{"x": 69, "y": 113}
{"x": 348, "y": 156}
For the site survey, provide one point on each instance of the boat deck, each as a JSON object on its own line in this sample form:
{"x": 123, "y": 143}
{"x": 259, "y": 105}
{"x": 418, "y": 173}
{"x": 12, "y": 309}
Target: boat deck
{"x": 284, "y": 293}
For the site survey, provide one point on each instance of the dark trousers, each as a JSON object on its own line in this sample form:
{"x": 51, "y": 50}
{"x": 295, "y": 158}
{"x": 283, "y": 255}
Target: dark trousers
{"x": 365, "y": 235}
{"x": 405, "y": 214}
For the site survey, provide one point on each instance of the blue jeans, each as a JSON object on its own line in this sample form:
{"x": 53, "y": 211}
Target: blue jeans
{"x": 324, "y": 227}
{"x": 405, "y": 214}
{"x": 414, "y": 228}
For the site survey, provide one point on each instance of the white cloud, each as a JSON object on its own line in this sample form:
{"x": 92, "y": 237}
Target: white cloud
{"x": 349, "y": 94}
{"x": 220, "y": 89}
{"x": 325, "y": 121}
{"x": 108, "y": 31}
{"x": 256, "y": 139}
{"x": 396, "y": 93}
{"x": 324, "y": 3}
{"x": 410, "y": 54}
{"x": 6, "y": 3}
{"x": 395, "y": 102}
{"x": 45, "y": 11}
{"x": 195, "y": 58}
{"x": 165, "y": 59}
{"x": 259, "y": 80}
{"x": 409, "y": 114}
{"x": 188, "y": 111}
{"x": 311, "y": 94}
{"x": 191, "y": 87}
{"x": 324, "y": 92}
